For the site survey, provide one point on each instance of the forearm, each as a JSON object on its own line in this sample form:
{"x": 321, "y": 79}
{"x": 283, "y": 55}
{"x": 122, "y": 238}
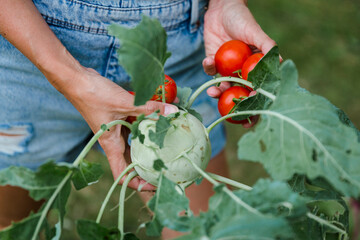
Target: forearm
{"x": 23, "y": 26}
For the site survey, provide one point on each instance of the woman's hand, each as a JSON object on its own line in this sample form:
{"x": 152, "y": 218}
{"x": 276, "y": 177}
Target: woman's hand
{"x": 226, "y": 20}
{"x": 100, "y": 101}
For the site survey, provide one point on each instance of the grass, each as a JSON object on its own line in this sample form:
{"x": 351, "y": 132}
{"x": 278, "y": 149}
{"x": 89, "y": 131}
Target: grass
{"x": 323, "y": 39}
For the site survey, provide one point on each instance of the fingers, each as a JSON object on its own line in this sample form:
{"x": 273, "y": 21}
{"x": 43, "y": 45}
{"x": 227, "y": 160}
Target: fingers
{"x": 209, "y": 66}
{"x": 152, "y": 106}
{"x": 115, "y": 147}
{"x": 215, "y": 92}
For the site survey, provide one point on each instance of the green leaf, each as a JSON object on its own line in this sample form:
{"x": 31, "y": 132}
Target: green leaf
{"x": 183, "y": 93}
{"x": 159, "y": 164}
{"x": 41, "y": 184}
{"x": 250, "y": 226}
{"x": 195, "y": 114}
{"x": 324, "y": 201}
{"x": 21, "y": 230}
{"x": 135, "y": 131}
{"x": 266, "y": 75}
{"x": 167, "y": 204}
{"x": 308, "y": 125}
{"x": 143, "y": 53}
{"x": 275, "y": 198}
{"x": 161, "y": 128}
{"x": 90, "y": 230}
{"x": 86, "y": 174}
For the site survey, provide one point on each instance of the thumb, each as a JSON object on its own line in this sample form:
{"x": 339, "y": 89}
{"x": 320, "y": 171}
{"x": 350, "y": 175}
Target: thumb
{"x": 152, "y": 106}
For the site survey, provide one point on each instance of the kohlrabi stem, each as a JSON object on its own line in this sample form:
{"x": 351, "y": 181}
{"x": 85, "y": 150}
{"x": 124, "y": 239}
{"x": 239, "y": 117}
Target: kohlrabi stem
{"x": 225, "y": 189}
{"x": 113, "y": 186}
{"x": 96, "y": 137}
{"x": 249, "y": 112}
{"x": 229, "y": 182}
{"x": 68, "y": 175}
{"x": 326, "y": 223}
{"x": 122, "y": 203}
{"x": 225, "y": 79}
{"x": 49, "y": 203}
{"x": 266, "y": 93}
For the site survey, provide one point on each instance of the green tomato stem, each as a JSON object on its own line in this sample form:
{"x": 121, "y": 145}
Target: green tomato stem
{"x": 225, "y": 189}
{"x": 122, "y": 203}
{"x": 68, "y": 175}
{"x": 226, "y": 79}
{"x": 230, "y": 182}
{"x": 163, "y": 93}
{"x": 111, "y": 190}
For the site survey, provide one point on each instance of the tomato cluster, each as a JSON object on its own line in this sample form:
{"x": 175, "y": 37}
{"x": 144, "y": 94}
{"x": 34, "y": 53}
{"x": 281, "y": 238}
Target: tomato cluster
{"x": 231, "y": 59}
{"x": 234, "y": 57}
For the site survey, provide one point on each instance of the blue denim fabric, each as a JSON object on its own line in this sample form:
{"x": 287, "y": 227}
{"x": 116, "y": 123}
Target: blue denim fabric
{"x": 45, "y": 123}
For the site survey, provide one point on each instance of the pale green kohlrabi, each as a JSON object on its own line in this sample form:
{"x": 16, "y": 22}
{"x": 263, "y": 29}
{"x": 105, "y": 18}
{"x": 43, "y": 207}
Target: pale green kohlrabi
{"x": 187, "y": 139}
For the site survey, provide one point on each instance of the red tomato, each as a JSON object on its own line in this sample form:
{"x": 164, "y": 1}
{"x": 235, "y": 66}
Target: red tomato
{"x": 226, "y": 103}
{"x": 249, "y": 64}
{"x": 230, "y": 57}
{"x": 170, "y": 94}
{"x": 170, "y": 91}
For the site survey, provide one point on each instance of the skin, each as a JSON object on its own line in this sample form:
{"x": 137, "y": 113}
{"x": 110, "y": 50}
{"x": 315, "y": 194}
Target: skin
{"x": 23, "y": 26}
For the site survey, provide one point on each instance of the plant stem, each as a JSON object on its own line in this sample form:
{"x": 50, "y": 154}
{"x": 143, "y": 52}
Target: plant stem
{"x": 249, "y": 112}
{"x": 96, "y": 137}
{"x": 68, "y": 175}
{"x": 230, "y": 182}
{"x": 266, "y": 93}
{"x": 122, "y": 203}
{"x": 324, "y": 222}
{"x": 49, "y": 203}
{"x": 226, "y": 79}
{"x": 225, "y": 189}
{"x": 113, "y": 186}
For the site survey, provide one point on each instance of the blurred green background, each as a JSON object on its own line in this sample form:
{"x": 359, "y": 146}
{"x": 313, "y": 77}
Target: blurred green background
{"x": 322, "y": 37}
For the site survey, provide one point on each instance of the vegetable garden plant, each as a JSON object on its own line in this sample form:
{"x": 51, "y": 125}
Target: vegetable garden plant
{"x": 310, "y": 149}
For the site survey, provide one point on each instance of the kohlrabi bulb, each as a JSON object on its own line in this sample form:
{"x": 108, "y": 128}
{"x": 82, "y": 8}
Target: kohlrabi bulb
{"x": 186, "y": 140}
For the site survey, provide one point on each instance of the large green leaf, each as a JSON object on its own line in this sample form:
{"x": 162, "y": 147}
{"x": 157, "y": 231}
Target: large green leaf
{"x": 252, "y": 227}
{"x": 143, "y": 53}
{"x": 21, "y": 230}
{"x": 276, "y": 203}
{"x": 167, "y": 204}
{"x": 302, "y": 133}
{"x": 41, "y": 184}
{"x": 86, "y": 174}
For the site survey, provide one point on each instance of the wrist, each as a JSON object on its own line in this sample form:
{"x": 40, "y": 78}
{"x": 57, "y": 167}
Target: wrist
{"x": 61, "y": 69}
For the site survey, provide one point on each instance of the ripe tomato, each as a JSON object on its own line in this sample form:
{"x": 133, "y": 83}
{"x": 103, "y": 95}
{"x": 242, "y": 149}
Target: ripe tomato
{"x": 226, "y": 103}
{"x": 170, "y": 91}
{"x": 230, "y": 57}
{"x": 249, "y": 64}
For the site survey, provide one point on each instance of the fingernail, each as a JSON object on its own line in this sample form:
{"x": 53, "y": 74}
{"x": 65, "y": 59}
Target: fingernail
{"x": 169, "y": 108}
